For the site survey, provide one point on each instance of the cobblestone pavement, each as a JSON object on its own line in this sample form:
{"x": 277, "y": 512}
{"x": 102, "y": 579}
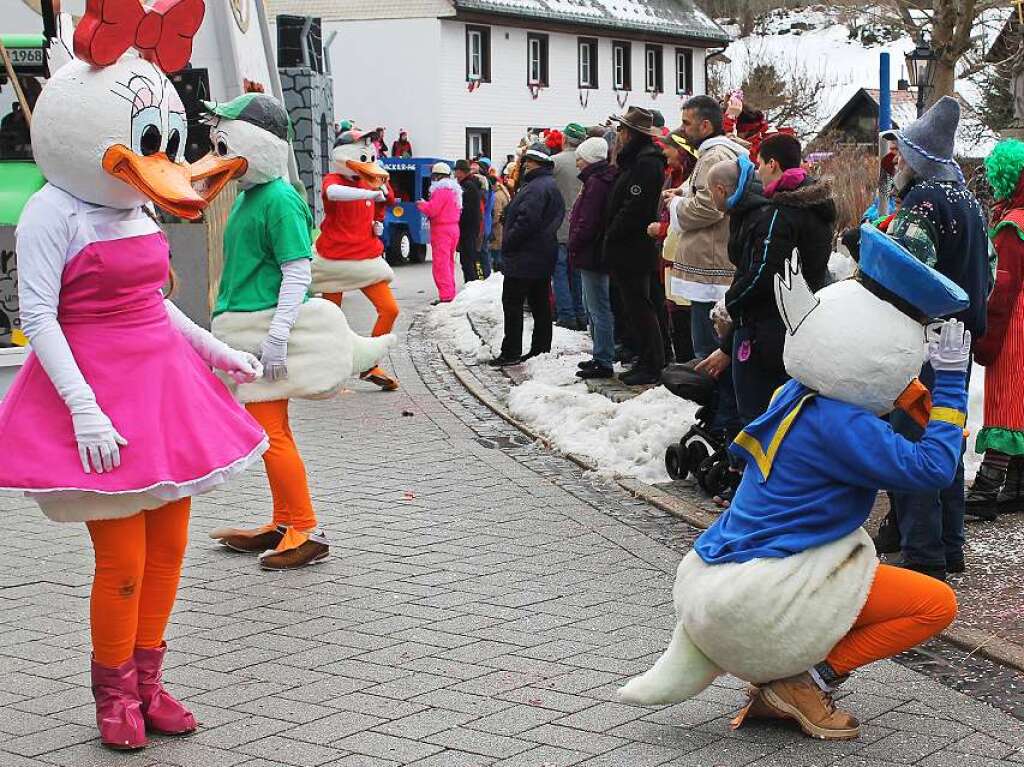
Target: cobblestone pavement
{"x": 483, "y": 601}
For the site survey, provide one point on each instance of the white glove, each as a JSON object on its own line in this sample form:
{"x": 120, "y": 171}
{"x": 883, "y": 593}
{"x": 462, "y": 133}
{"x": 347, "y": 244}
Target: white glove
{"x": 380, "y": 196}
{"x": 241, "y": 366}
{"x": 274, "y": 357}
{"x": 952, "y": 349}
{"x": 378, "y": 228}
{"x": 99, "y": 443}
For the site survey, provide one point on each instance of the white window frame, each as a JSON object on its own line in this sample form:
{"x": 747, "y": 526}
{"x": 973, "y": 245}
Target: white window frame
{"x": 535, "y": 62}
{"x": 476, "y": 144}
{"x": 651, "y": 69}
{"x": 619, "y": 66}
{"x": 475, "y": 40}
{"x": 586, "y": 64}
{"x": 683, "y": 73}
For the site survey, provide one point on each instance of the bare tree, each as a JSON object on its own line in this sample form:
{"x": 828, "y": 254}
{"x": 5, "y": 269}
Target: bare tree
{"x": 954, "y": 27}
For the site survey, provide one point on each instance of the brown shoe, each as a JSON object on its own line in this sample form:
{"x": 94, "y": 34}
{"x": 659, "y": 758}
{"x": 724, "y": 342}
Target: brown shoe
{"x": 250, "y": 541}
{"x": 800, "y": 698}
{"x": 309, "y": 553}
{"x": 381, "y": 378}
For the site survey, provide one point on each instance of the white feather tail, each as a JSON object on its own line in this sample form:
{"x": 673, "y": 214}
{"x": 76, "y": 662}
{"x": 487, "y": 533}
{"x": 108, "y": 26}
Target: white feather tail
{"x": 367, "y": 352}
{"x": 681, "y": 672}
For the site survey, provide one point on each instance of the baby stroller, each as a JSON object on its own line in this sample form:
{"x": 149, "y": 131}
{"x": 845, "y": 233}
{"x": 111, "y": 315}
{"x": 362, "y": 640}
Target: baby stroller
{"x": 702, "y": 450}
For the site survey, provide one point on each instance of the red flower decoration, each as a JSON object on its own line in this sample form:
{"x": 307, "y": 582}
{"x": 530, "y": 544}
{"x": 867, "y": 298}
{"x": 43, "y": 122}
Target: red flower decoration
{"x": 162, "y": 34}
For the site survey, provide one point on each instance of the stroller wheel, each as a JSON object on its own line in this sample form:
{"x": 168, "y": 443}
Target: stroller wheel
{"x": 718, "y": 479}
{"x": 676, "y": 463}
{"x": 696, "y": 454}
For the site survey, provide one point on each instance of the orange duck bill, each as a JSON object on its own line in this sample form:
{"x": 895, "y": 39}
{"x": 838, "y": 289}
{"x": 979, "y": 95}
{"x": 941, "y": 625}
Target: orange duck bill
{"x": 371, "y": 173}
{"x": 211, "y": 173}
{"x": 166, "y": 183}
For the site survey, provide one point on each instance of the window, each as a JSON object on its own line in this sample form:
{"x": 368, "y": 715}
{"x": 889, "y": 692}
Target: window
{"x": 536, "y": 59}
{"x": 684, "y": 71}
{"x": 653, "y": 66}
{"x": 478, "y": 142}
{"x": 588, "y": 62}
{"x": 621, "y": 71}
{"x": 478, "y": 54}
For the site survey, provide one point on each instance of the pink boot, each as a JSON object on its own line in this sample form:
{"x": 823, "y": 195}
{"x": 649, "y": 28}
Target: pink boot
{"x": 163, "y": 714}
{"x": 118, "y": 709}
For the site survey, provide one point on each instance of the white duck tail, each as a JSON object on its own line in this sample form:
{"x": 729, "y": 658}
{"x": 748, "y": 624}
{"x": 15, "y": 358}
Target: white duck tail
{"x": 681, "y": 672}
{"x": 367, "y": 352}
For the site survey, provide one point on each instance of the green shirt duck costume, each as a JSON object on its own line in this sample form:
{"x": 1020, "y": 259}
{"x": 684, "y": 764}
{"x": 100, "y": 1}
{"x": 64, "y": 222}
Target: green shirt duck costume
{"x": 263, "y": 304}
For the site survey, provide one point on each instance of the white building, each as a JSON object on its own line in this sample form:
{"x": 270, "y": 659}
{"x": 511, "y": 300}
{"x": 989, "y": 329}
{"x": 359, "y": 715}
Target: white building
{"x": 469, "y": 77}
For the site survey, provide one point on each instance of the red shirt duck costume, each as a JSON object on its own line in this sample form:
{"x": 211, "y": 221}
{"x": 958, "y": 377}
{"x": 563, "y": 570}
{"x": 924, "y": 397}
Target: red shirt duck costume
{"x": 263, "y": 306}
{"x": 349, "y": 251}
{"x": 115, "y": 419}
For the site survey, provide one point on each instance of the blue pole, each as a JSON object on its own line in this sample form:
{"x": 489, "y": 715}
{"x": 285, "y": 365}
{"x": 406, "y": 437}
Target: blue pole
{"x": 884, "y": 124}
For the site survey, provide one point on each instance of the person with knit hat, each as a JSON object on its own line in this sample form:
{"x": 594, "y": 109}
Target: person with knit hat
{"x": 471, "y": 221}
{"x": 999, "y": 486}
{"x": 402, "y": 147}
{"x": 566, "y": 283}
{"x": 586, "y": 252}
{"x": 941, "y": 223}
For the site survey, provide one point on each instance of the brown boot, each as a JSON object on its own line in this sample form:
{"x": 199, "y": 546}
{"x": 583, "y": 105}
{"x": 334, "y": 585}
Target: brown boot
{"x": 756, "y": 708}
{"x": 381, "y": 378}
{"x": 297, "y": 550}
{"x": 800, "y": 698}
{"x": 250, "y": 541}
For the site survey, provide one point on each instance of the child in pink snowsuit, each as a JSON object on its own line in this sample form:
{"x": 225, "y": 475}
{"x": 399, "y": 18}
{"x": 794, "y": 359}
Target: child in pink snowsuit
{"x": 443, "y": 209}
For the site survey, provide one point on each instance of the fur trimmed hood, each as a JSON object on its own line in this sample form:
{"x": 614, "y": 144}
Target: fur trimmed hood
{"x": 450, "y": 184}
{"x": 814, "y": 196}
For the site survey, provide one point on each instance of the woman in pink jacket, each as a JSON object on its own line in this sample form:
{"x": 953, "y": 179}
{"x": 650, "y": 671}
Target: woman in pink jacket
{"x": 443, "y": 208}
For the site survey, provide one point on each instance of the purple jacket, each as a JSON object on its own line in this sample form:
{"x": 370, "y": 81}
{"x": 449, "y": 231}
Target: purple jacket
{"x": 587, "y": 220}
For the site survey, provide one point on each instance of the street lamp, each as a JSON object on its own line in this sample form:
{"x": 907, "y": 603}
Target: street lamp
{"x": 921, "y": 70}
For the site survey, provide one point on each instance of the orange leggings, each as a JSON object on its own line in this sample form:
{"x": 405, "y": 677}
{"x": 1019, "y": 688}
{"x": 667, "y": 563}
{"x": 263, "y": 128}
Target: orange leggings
{"x": 138, "y": 564}
{"x": 285, "y": 470}
{"x": 383, "y": 301}
{"x": 904, "y": 609}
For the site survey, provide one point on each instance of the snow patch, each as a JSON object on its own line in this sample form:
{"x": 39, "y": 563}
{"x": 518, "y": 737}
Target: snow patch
{"x": 624, "y": 439}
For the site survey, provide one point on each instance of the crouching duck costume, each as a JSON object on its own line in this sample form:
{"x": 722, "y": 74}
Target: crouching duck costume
{"x": 349, "y": 251}
{"x": 784, "y": 591}
{"x": 116, "y": 419}
{"x": 263, "y": 306}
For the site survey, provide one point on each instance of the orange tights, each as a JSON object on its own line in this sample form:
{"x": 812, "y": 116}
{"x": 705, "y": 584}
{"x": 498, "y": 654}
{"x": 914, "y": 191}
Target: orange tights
{"x": 285, "y": 470}
{"x": 904, "y": 609}
{"x": 383, "y": 301}
{"x": 138, "y": 564}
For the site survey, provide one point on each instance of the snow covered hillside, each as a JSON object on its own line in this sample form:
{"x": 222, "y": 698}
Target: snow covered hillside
{"x": 816, "y": 41}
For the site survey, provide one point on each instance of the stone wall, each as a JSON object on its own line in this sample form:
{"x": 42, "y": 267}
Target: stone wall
{"x": 308, "y": 97}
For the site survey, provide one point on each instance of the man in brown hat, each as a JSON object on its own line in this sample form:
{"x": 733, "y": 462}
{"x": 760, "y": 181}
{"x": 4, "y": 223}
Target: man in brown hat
{"x": 631, "y": 255}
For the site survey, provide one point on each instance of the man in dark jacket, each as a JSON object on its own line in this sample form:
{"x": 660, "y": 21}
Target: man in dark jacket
{"x": 772, "y": 213}
{"x": 630, "y": 254}
{"x": 470, "y": 222}
{"x": 529, "y": 250}
{"x": 941, "y": 223}
{"x": 586, "y": 256}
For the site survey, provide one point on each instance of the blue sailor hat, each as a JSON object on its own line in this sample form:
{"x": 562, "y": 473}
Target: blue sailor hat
{"x": 894, "y": 274}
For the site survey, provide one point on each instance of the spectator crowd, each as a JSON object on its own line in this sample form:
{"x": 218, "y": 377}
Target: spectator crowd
{"x": 664, "y": 244}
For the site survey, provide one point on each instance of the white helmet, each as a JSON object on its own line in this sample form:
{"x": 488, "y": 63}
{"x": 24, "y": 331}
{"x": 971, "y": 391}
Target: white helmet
{"x": 441, "y": 169}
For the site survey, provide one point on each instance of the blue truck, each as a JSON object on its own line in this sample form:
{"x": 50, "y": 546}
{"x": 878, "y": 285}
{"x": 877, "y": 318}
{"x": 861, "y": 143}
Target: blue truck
{"x": 406, "y": 230}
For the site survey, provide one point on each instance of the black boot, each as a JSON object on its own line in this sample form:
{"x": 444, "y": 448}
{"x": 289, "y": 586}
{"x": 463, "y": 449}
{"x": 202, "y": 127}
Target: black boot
{"x": 983, "y": 494}
{"x": 888, "y": 539}
{"x": 1011, "y": 498}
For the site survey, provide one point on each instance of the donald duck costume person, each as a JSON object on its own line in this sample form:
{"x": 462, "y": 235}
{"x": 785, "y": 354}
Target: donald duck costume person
{"x": 263, "y": 306}
{"x": 784, "y": 590}
{"x": 116, "y": 420}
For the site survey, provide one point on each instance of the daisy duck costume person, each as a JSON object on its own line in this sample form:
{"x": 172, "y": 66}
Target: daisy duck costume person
{"x": 116, "y": 419}
{"x": 349, "y": 251}
{"x": 443, "y": 208}
{"x": 785, "y": 591}
{"x": 263, "y": 306}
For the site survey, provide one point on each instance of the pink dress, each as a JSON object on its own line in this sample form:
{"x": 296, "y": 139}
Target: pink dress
{"x": 185, "y": 432}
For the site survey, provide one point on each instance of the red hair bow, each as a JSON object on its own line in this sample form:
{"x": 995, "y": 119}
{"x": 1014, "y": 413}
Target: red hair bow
{"x": 162, "y": 34}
